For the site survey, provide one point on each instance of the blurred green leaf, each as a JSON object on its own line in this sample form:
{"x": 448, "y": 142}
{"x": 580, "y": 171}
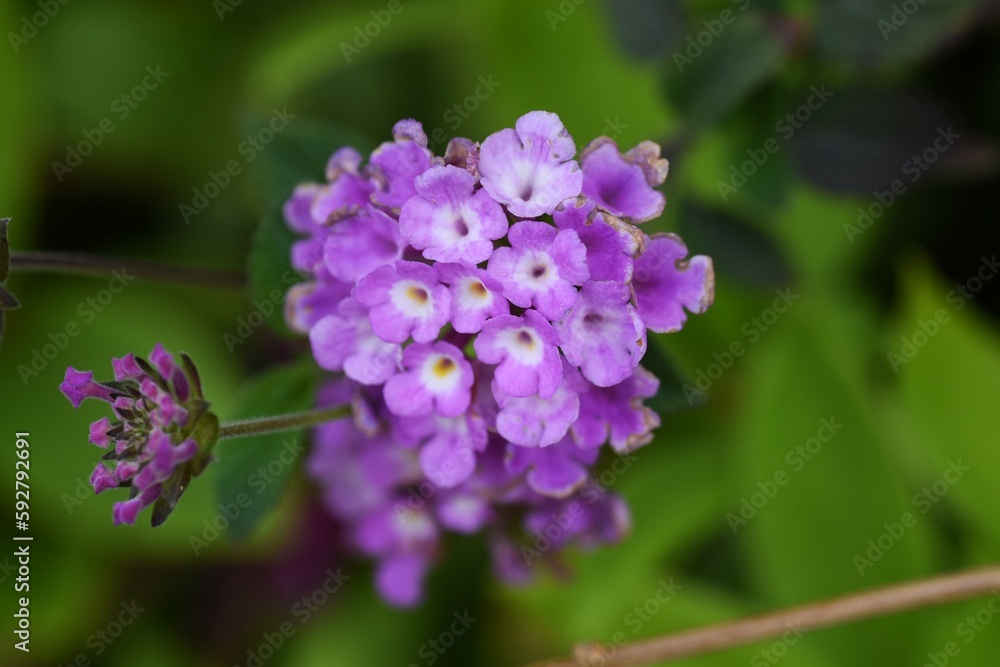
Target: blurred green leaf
{"x": 298, "y": 154}
{"x": 816, "y": 496}
{"x": 738, "y": 249}
{"x": 859, "y": 142}
{"x": 251, "y": 472}
{"x": 948, "y": 360}
{"x": 706, "y": 82}
{"x": 867, "y": 33}
{"x": 646, "y": 28}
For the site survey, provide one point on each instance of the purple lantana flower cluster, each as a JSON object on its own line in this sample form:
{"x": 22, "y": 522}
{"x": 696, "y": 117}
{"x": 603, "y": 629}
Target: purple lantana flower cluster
{"x": 486, "y": 313}
{"x": 161, "y": 434}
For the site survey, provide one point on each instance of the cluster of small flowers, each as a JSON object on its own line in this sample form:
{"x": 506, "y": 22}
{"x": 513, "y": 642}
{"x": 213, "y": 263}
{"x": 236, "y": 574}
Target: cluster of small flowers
{"x": 161, "y": 437}
{"x": 488, "y": 310}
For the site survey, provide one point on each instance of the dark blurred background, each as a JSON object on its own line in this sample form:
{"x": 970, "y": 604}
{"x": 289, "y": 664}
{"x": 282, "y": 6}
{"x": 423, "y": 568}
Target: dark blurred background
{"x": 838, "y": 160}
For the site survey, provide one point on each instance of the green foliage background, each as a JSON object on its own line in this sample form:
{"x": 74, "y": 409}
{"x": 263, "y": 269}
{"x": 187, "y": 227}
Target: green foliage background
{"x": 604, "y": 67}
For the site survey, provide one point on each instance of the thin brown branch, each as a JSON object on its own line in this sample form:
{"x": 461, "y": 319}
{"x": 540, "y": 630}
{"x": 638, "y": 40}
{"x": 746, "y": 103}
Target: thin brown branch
{"x": 825, "y": 613}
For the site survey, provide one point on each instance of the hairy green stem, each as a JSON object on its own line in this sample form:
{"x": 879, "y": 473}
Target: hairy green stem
{"x": 278, "y": 423}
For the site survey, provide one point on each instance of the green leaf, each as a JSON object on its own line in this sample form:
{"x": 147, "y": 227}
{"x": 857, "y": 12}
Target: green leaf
{"x": 712, "y": 80}
{"x": 867, "y": 33}
{"x": 816, "y": 484}
{"x": 948, "y": 361}
{"x": 251, "y": 472}
{"x": 297, "y": 154}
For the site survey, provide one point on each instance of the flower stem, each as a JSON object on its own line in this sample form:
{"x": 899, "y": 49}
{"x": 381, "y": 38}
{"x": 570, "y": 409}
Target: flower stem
{"x": 289, "y": 422}
{"x": 95, "y": 265}
{"x": 825, "y": 613}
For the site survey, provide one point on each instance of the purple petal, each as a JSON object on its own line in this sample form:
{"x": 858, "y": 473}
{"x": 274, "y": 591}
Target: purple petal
{"x": 602, "y": 334}
{"x": 437, "y": 378}
{"x": 665, "y": 284}
{"x": 360, "y": 244}
{"x": 103, "y": 479}
{"x": 530, "y": 169}
{"x": 126, "y": 512}
{"x": 464, "y": 512}
{"x": 405, "y": 299}
{"x": 611, "y": 244}
{"x": 526, "y": 349}
{"x": 80, "y": 385}
{"x": 345, "y": 341}
{"x": 535, "y": 421}
{"x": 400, "y": 579}
{"x": 619, "y": 185}
{"x": 617, "y": 413}
{"x": 99, "y": 432}
{"x": 448, "y": 221}
{"x": 475, "y": 296}
{"x": 395, "y": 165}
{"x": 541, "y": 267}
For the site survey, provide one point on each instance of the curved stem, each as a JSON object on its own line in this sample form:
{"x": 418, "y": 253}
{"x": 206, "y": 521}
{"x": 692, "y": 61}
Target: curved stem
{"x": 95, "y": 265}
{"x": 289, "y": 422}
{"x": 825, "y": 613}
